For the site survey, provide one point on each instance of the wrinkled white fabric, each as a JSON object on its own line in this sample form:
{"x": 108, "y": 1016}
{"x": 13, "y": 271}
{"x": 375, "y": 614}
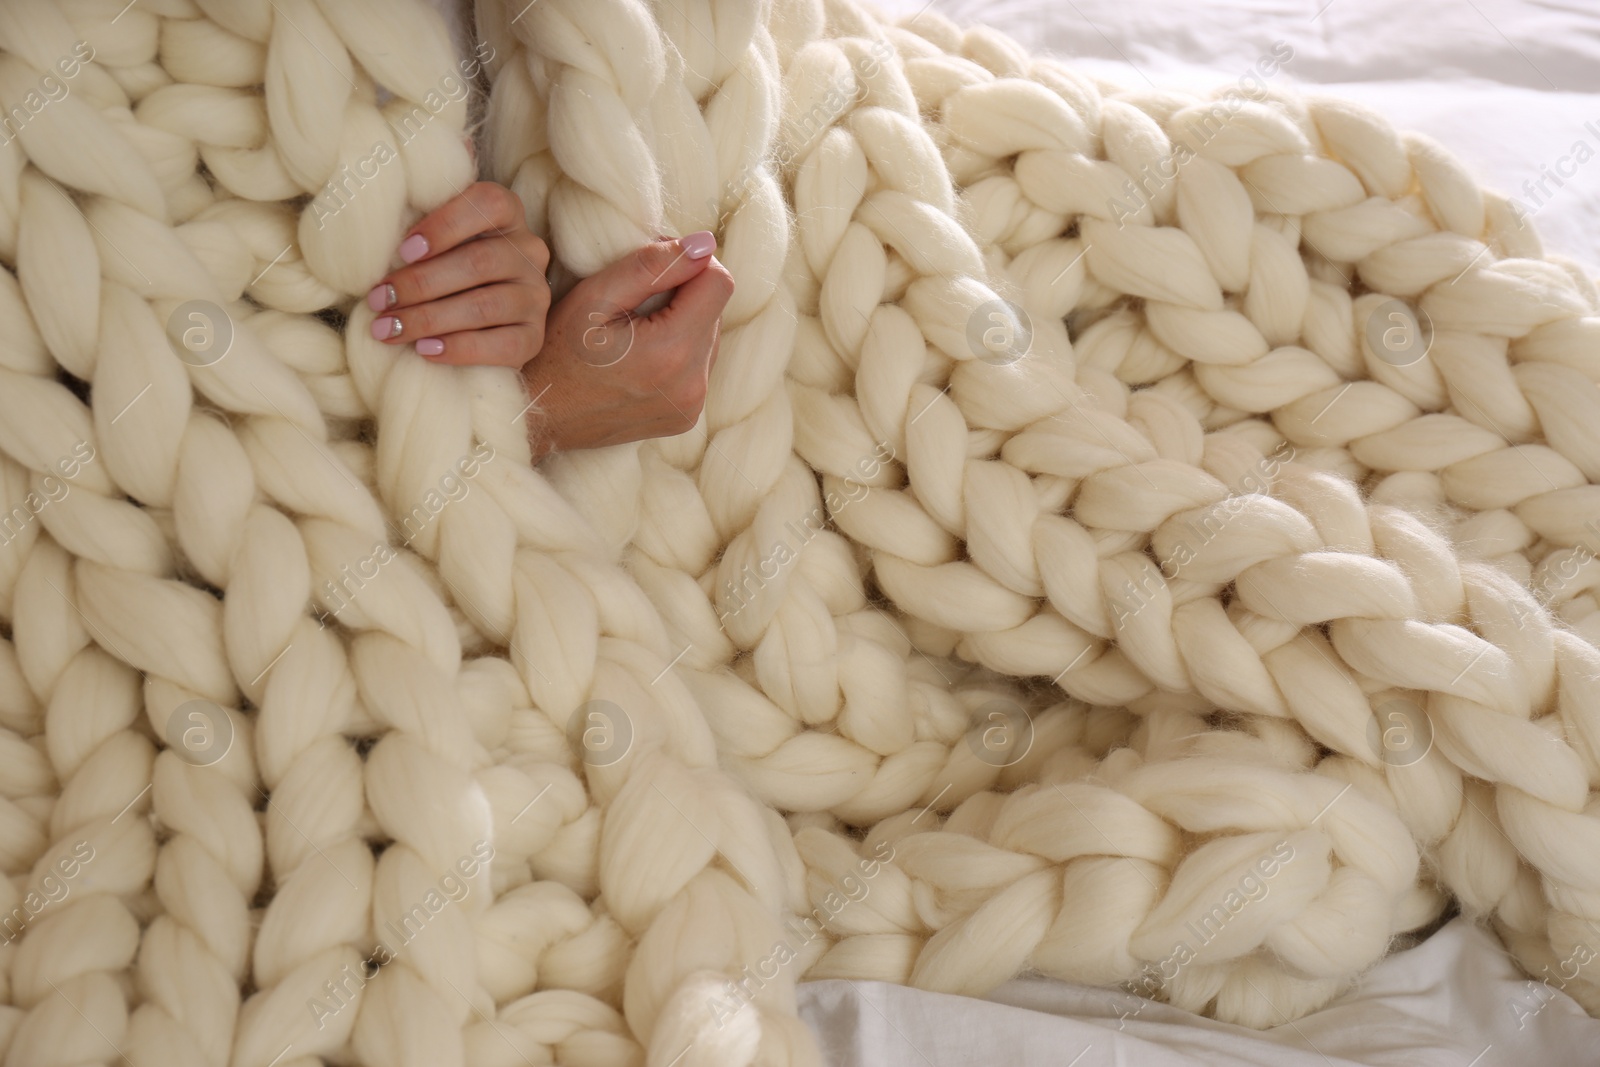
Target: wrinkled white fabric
{"x": 1511, "y": 87}
{"x": 1453, "y": 1000}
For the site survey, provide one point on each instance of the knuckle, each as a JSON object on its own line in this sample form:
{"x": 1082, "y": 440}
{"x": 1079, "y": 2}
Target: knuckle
{"x": 487, "y": 353}
{"x": 691, "y": 360}
{"x": 537, "y": 250}
{"x": 416, "y": 323}
{"x": 521, "y": 260}
{"x": 512, "y": 203}
{"x": 688, "y": 398}
{"x": 647, "y": 258}
{"x": 486, "y": 305}
{"x": 498, "y": 202}
{"x": 428, "y": 281}
{"x": 537, "y": 298}
{"x": 688, "y": 421}
{"x": 482, "y": 258}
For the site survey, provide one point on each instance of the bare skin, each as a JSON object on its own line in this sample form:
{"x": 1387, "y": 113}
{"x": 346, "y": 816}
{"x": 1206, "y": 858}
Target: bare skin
{"x": 598, "y": 372}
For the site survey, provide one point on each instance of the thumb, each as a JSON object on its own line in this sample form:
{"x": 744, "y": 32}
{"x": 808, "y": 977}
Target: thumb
{"x": 653, "y": 268}
{"x": 697, "y": 305}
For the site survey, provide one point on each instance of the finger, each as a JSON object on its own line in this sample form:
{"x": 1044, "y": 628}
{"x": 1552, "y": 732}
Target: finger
{"x": 491, "y": 259}
{"x": 697, "y": 305}
{"x": 485, "y": 207}
{"x": 505, "y": 304}
{"x": 652, "y": 268}
{"x": 502, "y": 346}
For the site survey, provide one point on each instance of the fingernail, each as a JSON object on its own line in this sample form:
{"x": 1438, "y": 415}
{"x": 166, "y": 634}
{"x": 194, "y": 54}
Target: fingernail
{"x": 386, "y": 328}
{"x": 430, "y": 346}
{"x": 698, "y": 245}
{"x": 381, "y": 297}
{"x": 413, "y": 248}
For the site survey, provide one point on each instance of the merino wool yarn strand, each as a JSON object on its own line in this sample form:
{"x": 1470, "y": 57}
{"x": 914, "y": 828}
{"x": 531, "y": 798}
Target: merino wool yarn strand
{"x": 1196, "y": 645}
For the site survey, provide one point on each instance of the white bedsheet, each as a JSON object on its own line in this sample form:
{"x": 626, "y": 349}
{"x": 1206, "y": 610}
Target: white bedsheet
{"x": 1453, "y": 1001}
{"x": 1511, "y": 88}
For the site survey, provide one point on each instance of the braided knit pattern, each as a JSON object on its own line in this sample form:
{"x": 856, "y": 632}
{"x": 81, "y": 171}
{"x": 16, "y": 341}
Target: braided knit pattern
{"x": 926, "y": 657}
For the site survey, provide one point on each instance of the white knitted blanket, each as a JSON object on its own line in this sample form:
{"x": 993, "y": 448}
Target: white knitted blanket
{"x": 1133, "y": 538}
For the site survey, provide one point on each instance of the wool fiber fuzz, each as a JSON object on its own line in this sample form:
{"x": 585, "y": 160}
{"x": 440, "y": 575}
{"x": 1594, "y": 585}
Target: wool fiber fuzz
{"x": 1137, "y": 538}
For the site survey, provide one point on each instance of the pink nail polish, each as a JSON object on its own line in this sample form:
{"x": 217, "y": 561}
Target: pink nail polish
{"x": 386, "y": 328}
{"x": 413, "y": 248}
{"x": 430, "y": 346}
{"x": 381, "y": 298}
{"x": 698, "y": 245}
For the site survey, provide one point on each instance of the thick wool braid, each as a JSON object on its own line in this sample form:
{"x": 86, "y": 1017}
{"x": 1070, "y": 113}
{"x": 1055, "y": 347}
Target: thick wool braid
{"x": 408, "y": 1015}
{"x": 977, "y": 978}
{"x": 1458, "y": 858}
{"x": 193, "y": 957}
{"x": 1578, "y": 669}
{"x": 192, "y": 468}
{"x": 668, "y": 908}
{"x": 391, "y": 683}
{"x": 1398, "y": 422}
{"x": 1068, "y": 951}
{"x": 967, "y": 974}
{"x": 654, "y": 880}
{"x": 1413, "y": 779}
{"x": 428, "y": 781}
{"x": 321, "y": 866}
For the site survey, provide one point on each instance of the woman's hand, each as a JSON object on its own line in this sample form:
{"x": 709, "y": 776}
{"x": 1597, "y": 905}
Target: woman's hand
{"x": 608, "y": 375}
{"x": 474, "y": 292}
{"x": 474, "y": 289}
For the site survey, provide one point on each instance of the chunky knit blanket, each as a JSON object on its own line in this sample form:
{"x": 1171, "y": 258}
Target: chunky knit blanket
{"x": 1134, "y": 538}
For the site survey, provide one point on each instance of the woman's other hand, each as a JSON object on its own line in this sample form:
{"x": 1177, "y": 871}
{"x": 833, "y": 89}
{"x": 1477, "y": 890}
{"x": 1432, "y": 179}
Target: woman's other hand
{"x": 608, "y": 375}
